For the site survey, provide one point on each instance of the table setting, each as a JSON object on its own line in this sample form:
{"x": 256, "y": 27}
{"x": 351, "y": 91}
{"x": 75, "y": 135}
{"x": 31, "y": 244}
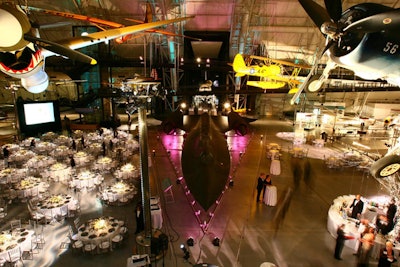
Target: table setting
{"x": 98, "y": 229}
{"x": 56, "y": 205}
{"x": 18, "y": 237}
{"x": 127, "y": 171}
{"x": 119, "y": 191}
{"x": 86, "y": 180}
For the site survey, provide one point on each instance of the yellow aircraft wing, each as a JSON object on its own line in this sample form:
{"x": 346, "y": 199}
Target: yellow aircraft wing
{"x": 266, "y": 84}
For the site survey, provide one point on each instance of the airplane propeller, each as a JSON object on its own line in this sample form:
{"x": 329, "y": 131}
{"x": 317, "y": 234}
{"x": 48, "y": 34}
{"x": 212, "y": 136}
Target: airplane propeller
{"x": 60, "y": 49}
{"x": 328, "y": 21}
{"x": 21, "y": 38}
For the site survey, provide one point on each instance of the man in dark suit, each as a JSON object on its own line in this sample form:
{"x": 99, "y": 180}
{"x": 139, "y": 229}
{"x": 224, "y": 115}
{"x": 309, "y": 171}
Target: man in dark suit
{"x": 357, "y": 206}
{"x": 260, "y": 185}
{"x": 339, "y": 242}
{"x": 391, "y": 214}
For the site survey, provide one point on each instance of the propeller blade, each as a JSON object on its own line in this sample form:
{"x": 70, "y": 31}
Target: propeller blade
{"x": 60, "y": 49}
{"x": 334, "y": 8}
{"x": 317, "y": 13}
{"x": 375, "y": 23}
{"x": 304, "y": 84}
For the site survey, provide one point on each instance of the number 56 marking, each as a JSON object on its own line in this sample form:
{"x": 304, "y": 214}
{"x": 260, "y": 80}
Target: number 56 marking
{"x": 390, "y": 48}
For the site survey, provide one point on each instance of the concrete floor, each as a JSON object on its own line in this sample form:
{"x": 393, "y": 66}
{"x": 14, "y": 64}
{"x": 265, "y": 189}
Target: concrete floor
{"x": 250, "y": 233}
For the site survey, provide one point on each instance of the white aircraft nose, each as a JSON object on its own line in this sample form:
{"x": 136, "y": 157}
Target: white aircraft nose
{"x": 10, "y": 28}
{"x": 13, "y": 25}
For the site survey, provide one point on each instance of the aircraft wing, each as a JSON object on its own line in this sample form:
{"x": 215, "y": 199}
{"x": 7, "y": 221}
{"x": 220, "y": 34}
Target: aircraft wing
{"x": 103, "y": 22}
{"x": 98, "y": 37}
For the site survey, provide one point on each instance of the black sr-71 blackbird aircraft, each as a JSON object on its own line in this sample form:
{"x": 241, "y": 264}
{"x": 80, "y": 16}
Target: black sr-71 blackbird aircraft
{"x": 364, "y": 38}
{"x": 205, "y": 156}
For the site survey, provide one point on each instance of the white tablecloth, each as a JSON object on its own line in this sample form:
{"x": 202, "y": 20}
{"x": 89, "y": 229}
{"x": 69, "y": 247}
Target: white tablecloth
{"x": 275, "y": 168}
{"x": 11, "y": 239}
{"x": 53, "y": 206}
{"x": 156, "y": 216}
{"x": 90, "y": 233}
{"x": 270, "y": 196}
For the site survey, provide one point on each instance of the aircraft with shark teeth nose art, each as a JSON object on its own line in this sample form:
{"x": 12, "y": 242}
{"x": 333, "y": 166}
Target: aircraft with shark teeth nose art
{"x": 23, "y": 52}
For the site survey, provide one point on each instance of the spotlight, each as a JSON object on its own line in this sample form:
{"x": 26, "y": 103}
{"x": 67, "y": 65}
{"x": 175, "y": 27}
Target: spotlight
{"x": 186, "y": 253}
{"x": 179, "y": 180}
{"x": 190, "y": 242}
{"x": 215, "y": 241}
{"x": 231, "y": 183}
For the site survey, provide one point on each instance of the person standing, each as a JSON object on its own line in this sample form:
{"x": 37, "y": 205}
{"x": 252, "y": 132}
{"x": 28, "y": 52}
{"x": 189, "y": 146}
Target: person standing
{"x": 260, "y": 185}
{"x": 391, "y": 214}
{"x": 267, "y": 182}
{"x": 386, "y": 257}
{"x": 339, "y": 242}
{"x": 367, "y": 243}
{"x": 139, "y": 218}
{"x": 6, "y": 154}
{"x": 358, "y": 206}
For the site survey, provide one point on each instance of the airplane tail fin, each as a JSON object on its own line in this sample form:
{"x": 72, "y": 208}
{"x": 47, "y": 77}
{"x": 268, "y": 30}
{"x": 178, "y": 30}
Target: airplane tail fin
{"x": 238, "y": 64}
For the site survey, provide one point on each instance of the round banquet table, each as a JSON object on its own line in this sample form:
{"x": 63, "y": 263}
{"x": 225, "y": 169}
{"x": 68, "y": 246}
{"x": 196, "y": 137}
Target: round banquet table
{"x": 49, "y": 136}
{"x": 86, "y": 179}
{"x": 104, "y": 163}
{"x": 21, "y": 156}
{"x": 132, "y": 144}
{"x": 270, "y": 195}
{"x": 99, "y": 229}
{"x": 127, "y": 171}
{"x": 156, "y": 217}
{"x": 44, "y": 147}
{"x": 62, "y": 152}
{"x": 62, "y": 140}
{"x": 28, "y": 187}
{"x": 81, "y": 158}
{"x": 12, "y": 147}
{"x": 119, "y": 192}
{"x": 18, "y": 237}
{"x": 336, "y": 217}
{"x": 12, "y": 175}
{"x": 40, "y": 161}
{"x": 53, "y": 205}
{"x": 275, "y": 168}
{"x": 59, "y": 172}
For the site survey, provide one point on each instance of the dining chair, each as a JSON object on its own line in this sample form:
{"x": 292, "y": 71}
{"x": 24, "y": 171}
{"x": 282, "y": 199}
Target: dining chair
{"x": 40, "y": 240}
{"x": 89, "y": 248}
{"x": 117, "y": 241}
{"x": 15, "y": 224}
{"x": 105, "y": 245}
{"x": 77, "y": 246}
{"x": 28, "y": 254}
{"x": 15, "y": 256}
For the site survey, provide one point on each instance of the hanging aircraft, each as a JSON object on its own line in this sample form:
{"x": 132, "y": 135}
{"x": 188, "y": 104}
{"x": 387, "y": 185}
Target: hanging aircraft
{"x": 270, "y": 72}
{"x": 23, "y": 52}
{"x": 363, "y": 39}
{"x": 100, "y": 23}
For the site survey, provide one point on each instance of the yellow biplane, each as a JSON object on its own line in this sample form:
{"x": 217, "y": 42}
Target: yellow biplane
{"x": 271, "y": 72}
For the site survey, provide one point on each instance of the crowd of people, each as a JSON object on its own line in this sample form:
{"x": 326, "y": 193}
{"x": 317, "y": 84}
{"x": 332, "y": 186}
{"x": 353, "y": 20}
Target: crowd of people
{"x": 367, "y": 234}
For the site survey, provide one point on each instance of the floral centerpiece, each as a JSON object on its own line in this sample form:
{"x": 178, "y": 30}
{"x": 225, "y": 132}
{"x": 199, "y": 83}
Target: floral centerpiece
{"x": 80, "y": 154}
{"x": 100, "y": 224}
{"x": 5, "y": 238}
{"x": 55, "y": 199}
